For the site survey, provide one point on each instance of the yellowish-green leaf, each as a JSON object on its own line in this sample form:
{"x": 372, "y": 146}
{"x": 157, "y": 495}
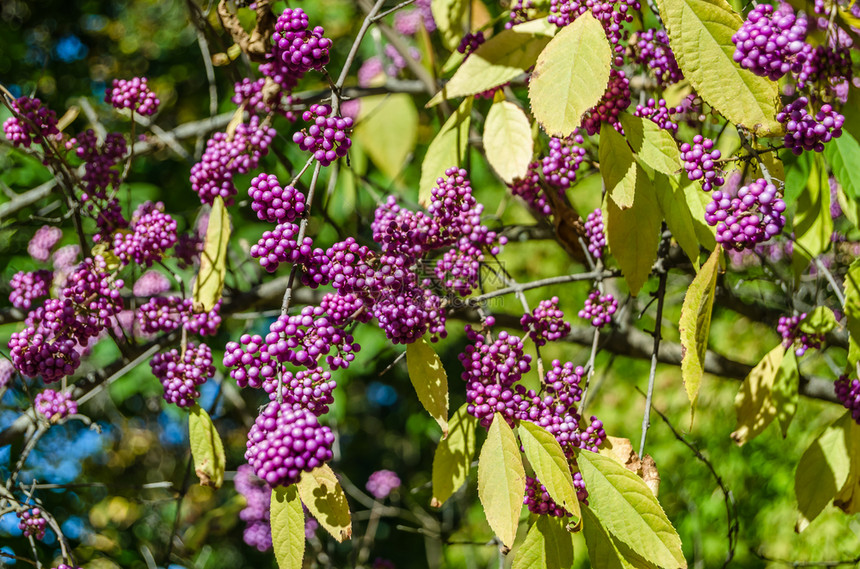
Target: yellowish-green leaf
{"x": 501, "y": 480}
{"x": 570, "y": 75}
{"x": 500, "y": 59}
{"x": 508, "y": 141}
{"x": 453, "y": 458}
{"x": 813, "y": 224}
{"x": 627, "y": 510}
{"x": 617, "y": 166}
{"x": 288, "y": 527}
{"x": 548, "y": 545}
{"x": 213, "y": 259}
{"x": 848, "y": 497}
{"x": 429, "y": 379}
{"x": 322, "y": 495}
{"x": 786, "y": 386}
{"x": 700, "y": 35}
{"x": 550, "y": 465}
{"x": 387, "y": 127}
{"x": 698, "y": 200}
{"x": 206, "y": 448}
{"x": 603, "y": 550}
{"x": 653, "y": 145}
{"x": 695, "y": 325}
{"x": 819, "y": 321}
{"x": 822, "y": 470}
{"x": 634, "y": 233}
{"x": 448, "y": 15}
{"x": 448, "y": 150}
{"x": 754, "y": 403}
{"x": 679, "y": 217}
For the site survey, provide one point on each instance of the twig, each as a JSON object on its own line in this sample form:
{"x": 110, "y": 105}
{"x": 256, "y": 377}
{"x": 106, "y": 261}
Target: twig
{"x": 518, "y": 288}
{"x": 392, "y": 10}
{"x": 646, "y": 418}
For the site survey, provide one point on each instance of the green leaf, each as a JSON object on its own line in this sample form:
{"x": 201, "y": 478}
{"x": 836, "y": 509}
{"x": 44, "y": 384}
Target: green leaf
{"x": 813, "y": 225}
{"x": 695, "y": 325}
{"x": 322, "y": 495}
{"x": 550, "y": 465}
{"x": 700, "y": 35}
{"x": 822, "y": 471}
{"x": 448, "y": 15}
{"x": 617, "y": 166}
{"x": 387, "y": 128}
{"x": 429, "y": 379}
{"x": 848, "y": 497}
{"x": 679, "y": 217}
{"x": 852, "y": 300}
{"x": 501, "y": 480}
{"x": 819, "y": 321}
{"x": 796, "y": 176}
{"x": 501, "y": 58}
{"x": 288, "y": 527}
{"x": 448, "y": 150}
{"x": 548, "y": 545}
{"x": 851, "y": 111}
{"x": 653, "y": 145}
{"x": 633, "y": 234}
{"x": 843, "y": 156}
{"x": 508, "y": 141}
{"x": 570, "y": 76}
{"x": 453, "y": 458}
{"x": 628, "y": 511}
{"x": 786, "y": 386}
{"x": 754, "y": 402}
{"x": 206, "y": 448}
{"x": 603, "y": 550}
{"x": 213, "y": 259}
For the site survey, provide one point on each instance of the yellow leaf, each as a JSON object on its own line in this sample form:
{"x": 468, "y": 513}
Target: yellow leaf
{"x": 570, "y": 76}
{"x": 429, "y": 379}
{"x": 695, "y": 325}
{"x": 501, "y": 480}
{"x": 388, "y": 129}
{"x": 322, "y": 495}
{"x": 448, "y": 150}
{"x": 508, "y": 141}
{"x": 288, "y": 527}
{"x": 206, "y": 448}
{"x": 452, "y": 460}
{"x": 213, "y": 259}
{"x": 754, "y": 402}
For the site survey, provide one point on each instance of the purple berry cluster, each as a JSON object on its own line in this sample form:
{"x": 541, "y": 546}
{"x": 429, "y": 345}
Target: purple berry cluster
{"x": 382, "y": 483}
{"x": 599, "y": 308}
{"x": 181, "y": 374}
{"x": 226, "y": 155}
{"x": 281, "y": 246}
{"x": 27, "y": 287}
{"x": 596, "y": 233}
{"x": 167, "y": 313}
{"x": 700, "y": 162}
{"x": 848, "y": 392}
{"x": 409, "y": 22}
{"x": 273, "y": 203}
{"x": 459, "y": 269}
{"x": 133, "y": 94}
{"x": 31, "y": 123}
{"x": 750, "y": 218}
{"x": 531, "y": 191}
{"x": 60, "y": 328}
{"x": 519, "y": 13}
{"x": 470, "y": 43}
{"x": 257, "y": 510}
{"x": 153, "y": 232}
{"x": 311, "y": 389}
{"x": 7, "y": 370}
{"x": 100, "y": 162}
{"x": 301, "y": 49}
{"x": 789, "y": 328}
{"x": 327, "y": 137}
{"x": 264, "y": 96}
{"x": 32, "y": 523}
{"x": 545, "y": 323}
{"x": 565, "y": 155}
{"x": 770, "y": 42}
{"x": 826, "y": 67}
{"x": 43, "y": 241}
{"x": 55, "y": 405}
{"x": 658, "y": 113}
{"x": 538, "y": 501}
{"x": 651, "y": 49}
{"x": 805, "y": 132}
{"x": 284, "y": 442}
{"x": 615, "y": 100}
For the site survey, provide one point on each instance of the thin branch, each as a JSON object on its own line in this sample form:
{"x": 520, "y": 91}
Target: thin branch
{"x": 646, "y": 417}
